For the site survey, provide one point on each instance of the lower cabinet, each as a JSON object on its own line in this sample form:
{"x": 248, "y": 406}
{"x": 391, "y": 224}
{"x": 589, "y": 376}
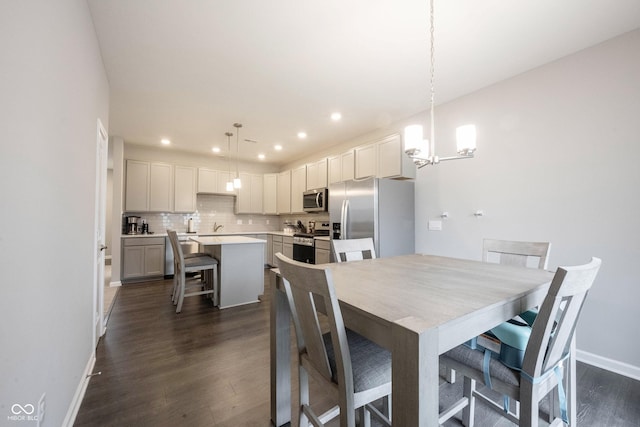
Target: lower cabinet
{"x": 142, "y": 258}
{"x": 323, "y": 251}
{"x": 287, "y": 246}
{"x": 277, "y": 247}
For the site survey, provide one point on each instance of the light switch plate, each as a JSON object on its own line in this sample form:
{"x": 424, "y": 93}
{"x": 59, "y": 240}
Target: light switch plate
{"x": 435, "y": 225}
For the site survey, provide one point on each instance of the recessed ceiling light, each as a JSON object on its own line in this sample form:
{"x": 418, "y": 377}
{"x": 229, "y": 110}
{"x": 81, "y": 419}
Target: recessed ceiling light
{"x": 261, "y": 156}
{"x": 165, "y": 141}
{"x": 302, "y": 135}
{"x": 336, "y": 116}
{"x": 277, "y": 147}
{"x": 216, "y": 149}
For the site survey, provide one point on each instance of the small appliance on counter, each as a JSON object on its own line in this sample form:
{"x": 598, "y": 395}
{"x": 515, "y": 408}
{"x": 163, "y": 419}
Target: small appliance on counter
{"x": 132, "y": 224}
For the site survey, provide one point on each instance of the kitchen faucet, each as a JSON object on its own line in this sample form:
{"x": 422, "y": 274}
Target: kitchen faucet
{"x": 217, "y": 227}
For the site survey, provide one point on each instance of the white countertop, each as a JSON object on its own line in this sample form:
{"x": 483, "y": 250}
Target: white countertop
{"x": 226, "y": 240}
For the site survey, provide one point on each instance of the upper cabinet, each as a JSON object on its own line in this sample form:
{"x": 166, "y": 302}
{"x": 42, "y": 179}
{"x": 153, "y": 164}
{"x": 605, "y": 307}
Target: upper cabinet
{"x": 270, "y": 194}
{"x": 317, "y": 174}
{"x": 366, "y": 161}
{"x": 149, "y": 187}
{"x": 298, "y": 187}
{"x": 250, "y": 194}
{"x": 184, "y": 180}
{"x": 392, "y": 160}
{"x": 212, "y": 181}
{"x": 284, "y": 192}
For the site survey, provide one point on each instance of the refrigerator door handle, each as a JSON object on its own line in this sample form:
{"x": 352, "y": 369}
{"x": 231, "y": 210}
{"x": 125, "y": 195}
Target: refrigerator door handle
{"x": 344, "y": 221}
{"x": 342, "y": 230}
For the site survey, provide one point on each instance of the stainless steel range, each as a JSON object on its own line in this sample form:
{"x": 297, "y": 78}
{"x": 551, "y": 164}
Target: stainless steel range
{"x": 304, "y": 248}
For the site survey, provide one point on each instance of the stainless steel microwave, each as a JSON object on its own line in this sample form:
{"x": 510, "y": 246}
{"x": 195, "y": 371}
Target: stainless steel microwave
{"x": 315, "y": 200}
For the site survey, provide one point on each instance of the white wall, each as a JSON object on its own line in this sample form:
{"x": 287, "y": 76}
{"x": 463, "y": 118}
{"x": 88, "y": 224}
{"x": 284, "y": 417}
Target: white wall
{"x": 557, "y": 161}
{"x": 54, "y": 88}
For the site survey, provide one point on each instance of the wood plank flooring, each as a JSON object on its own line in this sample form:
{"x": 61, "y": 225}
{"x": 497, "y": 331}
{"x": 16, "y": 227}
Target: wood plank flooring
{"x": 207, "y": 367}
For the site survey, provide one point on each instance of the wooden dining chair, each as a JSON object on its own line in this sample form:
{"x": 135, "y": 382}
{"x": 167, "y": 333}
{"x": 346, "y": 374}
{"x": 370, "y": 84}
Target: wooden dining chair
{"x": 548, "y": 351}
{"x": 353, "y": 249}
{"x": 205, "y": 264}
{"x": 523, "y": 254}
{"x": 357, "y": 371}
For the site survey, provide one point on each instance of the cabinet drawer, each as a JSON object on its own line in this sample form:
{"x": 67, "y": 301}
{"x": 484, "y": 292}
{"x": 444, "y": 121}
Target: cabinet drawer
{"x": 143, "y": 241}
{"x": 323, "y": 244}
{"x": 277, "y": 239}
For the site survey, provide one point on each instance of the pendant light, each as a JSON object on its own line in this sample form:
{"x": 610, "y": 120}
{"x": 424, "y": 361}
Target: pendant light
{"x": 229, "y": 185}
{"x": 422, "y": 151}
{"x": 236, "y": 181}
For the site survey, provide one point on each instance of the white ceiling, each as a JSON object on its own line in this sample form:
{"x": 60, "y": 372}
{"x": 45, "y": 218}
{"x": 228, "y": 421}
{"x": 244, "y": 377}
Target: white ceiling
{"x": 188, "y": 69}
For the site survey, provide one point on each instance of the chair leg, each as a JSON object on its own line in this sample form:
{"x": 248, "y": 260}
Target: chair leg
{"x": 529, "y": 405}
{"x": 468, "y": 413}
{"x": 181, "y": 285}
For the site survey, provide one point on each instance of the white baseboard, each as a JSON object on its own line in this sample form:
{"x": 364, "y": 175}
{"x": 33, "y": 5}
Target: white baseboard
{"x": 115, "y": 284}
{"x": 72, "y": 412}
{"x": 609, "y": 364}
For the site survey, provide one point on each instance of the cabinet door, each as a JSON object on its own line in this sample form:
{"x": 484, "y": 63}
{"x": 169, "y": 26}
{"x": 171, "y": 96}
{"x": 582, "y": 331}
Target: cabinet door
{"x": 137, "y": 186}
{"x": 284, "y": 192}
{"x": 366, "y": 161}
{"x": 243, "y": 202}
{"x": 185, "y": 189}
{"x": 348, "y": 166}
{"x": 312, "y": 176}
{"x": 287, "y": 246}
{"x": 160, "y": 187}
{"x": 298, "y": 186}
{"x": 207, "y": 180}
{"x": 392, "y": 161}
{"x": 335, "y": 169}
{"x": 153, "y": 260}
{"x": 256, "y": 193}
{"x": 322, "y": 256}
{"x": 278, "y": 248}
{"x": 269, "y": 194}
{"x": 133, "y": 262}
{"x": 223, "y": 178}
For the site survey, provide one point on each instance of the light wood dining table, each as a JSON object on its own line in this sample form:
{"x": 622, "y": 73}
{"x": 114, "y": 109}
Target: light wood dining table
{"x": 418, "y": 307}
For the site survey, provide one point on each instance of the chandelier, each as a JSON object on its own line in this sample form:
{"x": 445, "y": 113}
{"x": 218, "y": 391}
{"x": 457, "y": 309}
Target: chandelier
{"x": 422, "y": 151}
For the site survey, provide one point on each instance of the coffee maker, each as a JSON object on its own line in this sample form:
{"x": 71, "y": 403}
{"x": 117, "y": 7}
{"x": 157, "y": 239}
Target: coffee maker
{"x": 132, "y": 224}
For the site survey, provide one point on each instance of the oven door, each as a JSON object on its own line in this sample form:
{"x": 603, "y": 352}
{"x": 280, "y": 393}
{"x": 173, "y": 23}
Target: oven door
{"x": 304, "y": 253}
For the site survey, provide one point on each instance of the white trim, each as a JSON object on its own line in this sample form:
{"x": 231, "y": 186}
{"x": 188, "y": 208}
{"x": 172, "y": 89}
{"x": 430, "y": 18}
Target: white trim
{"x": 72, "y": 412}
{"x": 609, "y": 364}
{"x": 115, "y": 284}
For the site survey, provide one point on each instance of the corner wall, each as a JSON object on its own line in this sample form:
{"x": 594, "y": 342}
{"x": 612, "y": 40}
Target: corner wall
{"x": 54, "y": 88}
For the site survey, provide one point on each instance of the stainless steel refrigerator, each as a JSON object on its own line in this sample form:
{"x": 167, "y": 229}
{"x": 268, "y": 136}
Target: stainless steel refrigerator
{"x": 379, "y": 208}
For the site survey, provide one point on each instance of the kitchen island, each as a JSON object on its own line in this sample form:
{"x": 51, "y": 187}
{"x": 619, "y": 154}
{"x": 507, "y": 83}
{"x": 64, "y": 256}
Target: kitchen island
{"x": 241, "y": 270}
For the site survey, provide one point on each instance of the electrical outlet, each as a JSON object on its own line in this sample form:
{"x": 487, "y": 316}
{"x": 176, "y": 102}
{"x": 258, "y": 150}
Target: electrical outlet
{"x": 267, "y": 222}
{"x": 41, "y": 408}
{"x": 239, "y": 222}
{"x": 250, "y": 221}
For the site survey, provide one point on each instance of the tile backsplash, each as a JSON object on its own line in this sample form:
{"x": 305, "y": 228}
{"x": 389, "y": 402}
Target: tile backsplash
{"x": 219, "y": 210}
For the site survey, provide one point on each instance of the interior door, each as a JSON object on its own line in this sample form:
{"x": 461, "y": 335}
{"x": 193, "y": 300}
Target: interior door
{"x": 100, "y": 216}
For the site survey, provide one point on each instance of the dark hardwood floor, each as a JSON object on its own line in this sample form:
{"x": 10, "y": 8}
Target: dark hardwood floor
{"x": 207, "y": 367}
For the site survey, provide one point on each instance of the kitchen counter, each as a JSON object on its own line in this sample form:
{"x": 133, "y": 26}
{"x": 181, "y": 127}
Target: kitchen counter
{"x": 237, "y": 233}
{"x": 225, "y": 240}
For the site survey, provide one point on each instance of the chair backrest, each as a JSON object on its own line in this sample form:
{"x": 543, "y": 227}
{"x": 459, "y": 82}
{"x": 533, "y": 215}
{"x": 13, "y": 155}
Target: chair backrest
{"x": 555, "y": 324}
{"x": 178, "y": 256}
{"x": 516, "y": 253}
{"x": 307, "y": 286}
{"x": 353, "y": 249}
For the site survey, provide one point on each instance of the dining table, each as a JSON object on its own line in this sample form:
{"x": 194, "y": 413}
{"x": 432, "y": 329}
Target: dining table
{"x": 417, "y": 306}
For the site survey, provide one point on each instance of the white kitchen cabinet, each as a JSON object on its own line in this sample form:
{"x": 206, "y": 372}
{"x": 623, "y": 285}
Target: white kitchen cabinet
{"x": 142, "y": 258}
{"x": 269, "y": 256}
{"x": 341, "y": 167}
{"x": 392, "y": 160}
{"x": 366, "y": 161}
{"x": 250, "y": 194}
{"x": 270, "y": 194}
{"x": 137, "y": 186}
{"x": 160, "y": 187}
{"x": 317, "y": 174}
{"x": 184, "y": 180}
{"x": 149, "y": 187}
{"x": 277, "y": 248}
{"x": 284, "y": 192}
{"x": 211, "y": 181}
{"x": 287, "y": 246}
{"x": 298, "y": 187}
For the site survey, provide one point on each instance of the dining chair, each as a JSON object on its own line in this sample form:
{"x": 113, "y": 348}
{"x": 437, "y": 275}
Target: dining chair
{"x": 549, "y": 348}
{"x": 523, "y": 254}
{"x": 207, "y": 265}
{"x": 353, "y": 249}
{"x": 357, "y": 371}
